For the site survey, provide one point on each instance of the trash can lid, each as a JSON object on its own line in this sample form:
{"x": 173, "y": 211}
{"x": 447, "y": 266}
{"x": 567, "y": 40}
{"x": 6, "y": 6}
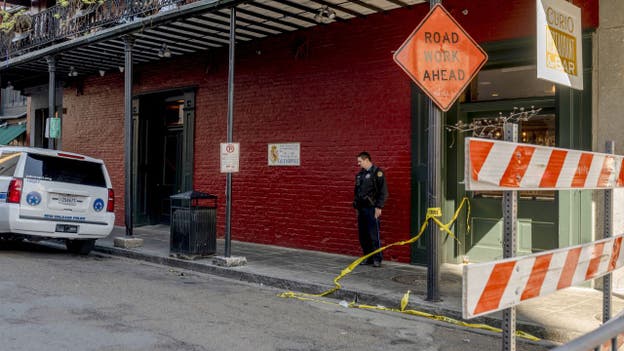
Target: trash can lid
{"x": 190, "y": 195}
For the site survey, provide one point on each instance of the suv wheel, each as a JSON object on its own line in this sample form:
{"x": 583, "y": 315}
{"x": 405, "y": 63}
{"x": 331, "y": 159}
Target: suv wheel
{"x": 81, "y": 247}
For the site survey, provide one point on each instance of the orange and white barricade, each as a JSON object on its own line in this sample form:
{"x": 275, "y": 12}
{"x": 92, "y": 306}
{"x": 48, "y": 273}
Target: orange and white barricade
{"x": 493, "y": 286}
{"x": 508, "y": 166}
{"x": 501, "y": 165}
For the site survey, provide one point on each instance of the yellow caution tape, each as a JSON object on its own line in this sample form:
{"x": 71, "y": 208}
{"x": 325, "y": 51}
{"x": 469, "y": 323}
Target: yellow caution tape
{"x": 405, "y": 301}
{"x": 314, "y": 298}
{"x": 432, "y": 214}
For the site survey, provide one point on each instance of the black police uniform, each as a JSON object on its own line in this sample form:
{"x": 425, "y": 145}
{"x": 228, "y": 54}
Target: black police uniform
{"x": 371, "y": 192}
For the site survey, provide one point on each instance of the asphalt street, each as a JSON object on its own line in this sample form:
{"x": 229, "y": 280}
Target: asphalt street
{"x": 53, "y": 300}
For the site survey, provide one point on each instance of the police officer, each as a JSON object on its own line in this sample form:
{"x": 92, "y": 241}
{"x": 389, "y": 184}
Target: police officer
{"x": 371, "y": 192}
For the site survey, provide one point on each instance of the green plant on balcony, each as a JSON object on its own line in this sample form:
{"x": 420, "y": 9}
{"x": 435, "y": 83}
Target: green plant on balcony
{"x": 18, "y": 22}
{"x": 74, "y": 7}
{"x": 66, "y": 3}
{"x": 75, "y": 15}
{"x": 148, "y": 7}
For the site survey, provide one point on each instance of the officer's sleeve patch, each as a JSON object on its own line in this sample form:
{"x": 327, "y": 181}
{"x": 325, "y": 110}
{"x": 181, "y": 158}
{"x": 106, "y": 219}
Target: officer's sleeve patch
{"x": 379, "y": 174}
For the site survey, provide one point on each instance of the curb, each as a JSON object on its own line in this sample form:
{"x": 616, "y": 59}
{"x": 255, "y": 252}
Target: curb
{"x": 548, "y": 334}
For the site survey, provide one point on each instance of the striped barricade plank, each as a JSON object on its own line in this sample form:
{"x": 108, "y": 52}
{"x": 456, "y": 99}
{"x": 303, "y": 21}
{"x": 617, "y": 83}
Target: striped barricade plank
{"x": 501, "y": 165}
{"x": 606, "y": 346}
{"x": 496, "y": 285}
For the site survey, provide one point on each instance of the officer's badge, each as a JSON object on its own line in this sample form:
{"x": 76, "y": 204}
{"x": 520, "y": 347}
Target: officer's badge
{"x": 380, "y": 174}
{"x": 367, "y": 176}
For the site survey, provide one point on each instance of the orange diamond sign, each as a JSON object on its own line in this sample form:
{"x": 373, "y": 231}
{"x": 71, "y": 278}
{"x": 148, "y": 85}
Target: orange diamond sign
{"x": 440, "y": 57}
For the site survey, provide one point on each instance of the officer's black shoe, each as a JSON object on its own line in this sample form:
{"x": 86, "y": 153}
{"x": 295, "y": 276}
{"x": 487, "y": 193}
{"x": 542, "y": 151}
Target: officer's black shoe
{"x": 377, "y": 264}
{"x": 366, "y": 263}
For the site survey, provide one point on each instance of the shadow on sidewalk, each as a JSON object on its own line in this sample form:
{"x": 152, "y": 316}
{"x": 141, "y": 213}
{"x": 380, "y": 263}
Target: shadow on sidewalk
{"x": 559, "y": 317}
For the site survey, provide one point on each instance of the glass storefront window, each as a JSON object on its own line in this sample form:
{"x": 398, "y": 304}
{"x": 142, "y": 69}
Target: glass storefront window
{"x": 508, "y": 83}
{"x": 538, "y": 130}
{"x": 512, "y": 84}
{"x": 174, "y": 113}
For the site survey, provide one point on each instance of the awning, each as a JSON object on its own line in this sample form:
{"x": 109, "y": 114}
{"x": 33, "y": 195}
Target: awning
{"x": 10, "y": 132}
{"x": 14, "y": 116}
{"x": 194, "y": 27}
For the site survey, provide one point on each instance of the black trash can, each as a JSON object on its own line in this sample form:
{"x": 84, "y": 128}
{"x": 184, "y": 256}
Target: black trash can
{"x": 193, "y": 225}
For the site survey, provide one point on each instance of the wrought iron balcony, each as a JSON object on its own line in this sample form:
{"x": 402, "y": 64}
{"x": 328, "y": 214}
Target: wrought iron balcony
{"x": 73, "y": 18}
{"x": 85, "y": 34}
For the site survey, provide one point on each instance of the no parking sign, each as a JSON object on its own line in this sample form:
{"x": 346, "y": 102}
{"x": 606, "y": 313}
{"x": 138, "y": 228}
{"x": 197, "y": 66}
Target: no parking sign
{"x": 230, "y": 155}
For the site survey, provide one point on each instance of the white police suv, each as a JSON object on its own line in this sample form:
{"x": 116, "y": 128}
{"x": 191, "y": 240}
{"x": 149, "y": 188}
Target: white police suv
{"x": 51, "y": 194}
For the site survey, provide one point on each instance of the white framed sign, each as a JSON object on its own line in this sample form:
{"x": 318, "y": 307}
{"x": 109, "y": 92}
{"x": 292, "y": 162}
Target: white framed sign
{"x": 230, "y": 156}
{"x": 284, "y": 154}
{"x": 559, "y": 43}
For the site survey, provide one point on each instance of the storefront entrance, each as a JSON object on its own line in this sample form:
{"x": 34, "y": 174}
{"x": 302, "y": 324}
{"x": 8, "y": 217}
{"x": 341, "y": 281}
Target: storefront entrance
{"x": 546, "y": 219}
{"x": 537, "y": 210}
{"x": 161, "y": 133}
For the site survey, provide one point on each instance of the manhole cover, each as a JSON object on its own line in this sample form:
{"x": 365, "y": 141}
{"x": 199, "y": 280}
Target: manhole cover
{"x": 415, "y": 282}
{"x": 410, "y": 279}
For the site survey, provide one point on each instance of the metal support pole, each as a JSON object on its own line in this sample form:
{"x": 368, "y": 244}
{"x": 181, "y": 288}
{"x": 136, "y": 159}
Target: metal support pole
{"x": 433, "y": 195}
{"x": 433, "y": 201}
{"x": 51, "y": 60}
{"x": 510, "y": 233}
{"x": 230, "y": 122}
{"x": 608, "y": 232}
{"x": 128, "y": 124}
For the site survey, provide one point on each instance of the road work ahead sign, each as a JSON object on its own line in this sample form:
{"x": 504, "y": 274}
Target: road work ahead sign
{"x": 440, "y": 57}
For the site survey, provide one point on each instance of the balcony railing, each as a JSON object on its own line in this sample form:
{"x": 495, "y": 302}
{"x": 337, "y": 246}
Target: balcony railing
{"x": 75, "y": 18}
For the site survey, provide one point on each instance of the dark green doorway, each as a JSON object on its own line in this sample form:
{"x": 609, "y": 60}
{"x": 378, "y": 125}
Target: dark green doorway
{"x": 537, "y": 210}
{"x": 546, "y": 220}
{"x": 161, "y": 133}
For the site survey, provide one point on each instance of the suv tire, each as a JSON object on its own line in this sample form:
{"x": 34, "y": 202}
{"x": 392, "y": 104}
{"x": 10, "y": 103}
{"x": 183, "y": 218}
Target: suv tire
{"x": 81, "y": 247}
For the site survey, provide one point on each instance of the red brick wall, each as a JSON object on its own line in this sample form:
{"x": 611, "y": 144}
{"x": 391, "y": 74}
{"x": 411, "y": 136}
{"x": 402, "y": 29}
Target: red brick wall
{"x": 94, "y": 125}
{"x": 342, "y": 94}
{"x": 495, "y": 20}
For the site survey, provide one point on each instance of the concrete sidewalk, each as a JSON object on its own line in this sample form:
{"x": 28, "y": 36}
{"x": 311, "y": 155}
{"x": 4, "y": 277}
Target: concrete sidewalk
{"x": 558, "y": 317}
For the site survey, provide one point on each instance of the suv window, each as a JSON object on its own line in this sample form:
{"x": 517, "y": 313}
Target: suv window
{"x": 64, "y": 170}
{"x": 8, "y": 161}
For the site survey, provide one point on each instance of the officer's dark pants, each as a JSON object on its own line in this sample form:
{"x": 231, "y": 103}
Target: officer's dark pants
{"x": 368, "y": 228}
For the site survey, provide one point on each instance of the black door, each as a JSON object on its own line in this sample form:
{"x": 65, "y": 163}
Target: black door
{"x": 158, "y": 156}
{"x": 172, "y": 171}
{"x": 40, "y": 117}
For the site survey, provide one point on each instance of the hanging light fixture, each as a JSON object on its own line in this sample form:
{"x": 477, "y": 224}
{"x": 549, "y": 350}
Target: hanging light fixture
{"x": 121, "y": 69}
{"x": 72, "y": 71}
{"x": 102, "y": 72}
{"x": 325, "y": 15}
{"x": 164, "y": 51}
